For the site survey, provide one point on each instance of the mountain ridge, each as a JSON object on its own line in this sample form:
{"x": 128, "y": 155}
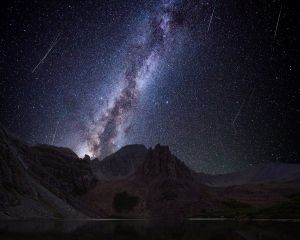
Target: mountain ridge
{"x": 262, "y": 172}
{"x": 48, "y": 182}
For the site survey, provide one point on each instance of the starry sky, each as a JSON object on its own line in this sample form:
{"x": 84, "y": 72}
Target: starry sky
{"x": 217, "y": 81}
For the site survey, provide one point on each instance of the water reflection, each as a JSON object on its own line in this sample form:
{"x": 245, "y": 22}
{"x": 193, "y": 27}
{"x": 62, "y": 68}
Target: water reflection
{"x": 148, "y": 229}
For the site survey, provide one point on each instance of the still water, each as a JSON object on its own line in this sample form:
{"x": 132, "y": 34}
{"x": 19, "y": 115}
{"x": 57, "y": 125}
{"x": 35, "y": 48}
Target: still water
{"x": 148, "y": 229}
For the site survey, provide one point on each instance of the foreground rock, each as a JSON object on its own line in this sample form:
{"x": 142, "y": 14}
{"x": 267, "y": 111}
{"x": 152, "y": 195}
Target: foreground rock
{"x": 42, "y": 181}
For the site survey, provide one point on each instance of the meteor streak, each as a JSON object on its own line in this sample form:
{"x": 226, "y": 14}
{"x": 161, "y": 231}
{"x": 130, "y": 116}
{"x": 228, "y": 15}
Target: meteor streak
{"x": 211, "y": 18}
{"x": 54, "y": 133}
{"x": 277, "y": 22}
{"x": 238, "y": 114}
{"x": 49, "y": 50}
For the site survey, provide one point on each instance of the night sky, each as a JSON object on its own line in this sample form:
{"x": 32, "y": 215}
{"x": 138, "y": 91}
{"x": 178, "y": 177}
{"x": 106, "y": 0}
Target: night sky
{"x": 217, "y": 81}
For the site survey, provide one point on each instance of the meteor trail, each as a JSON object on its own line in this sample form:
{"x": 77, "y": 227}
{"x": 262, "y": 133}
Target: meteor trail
{"x": 54, "y": 42}
{"x": 54, "y": 133}
{"x": 202, "y": 130}
{"x": 277, "y": 22}
{"x": 238, "y": 112}
{"x": 211, "y": 18}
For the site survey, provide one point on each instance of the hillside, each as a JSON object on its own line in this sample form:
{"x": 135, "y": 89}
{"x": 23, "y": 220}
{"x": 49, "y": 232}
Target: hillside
{"x": 42, "y": 181}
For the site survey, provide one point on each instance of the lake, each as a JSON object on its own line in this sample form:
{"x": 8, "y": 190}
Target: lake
{"x": 149, "y": 229}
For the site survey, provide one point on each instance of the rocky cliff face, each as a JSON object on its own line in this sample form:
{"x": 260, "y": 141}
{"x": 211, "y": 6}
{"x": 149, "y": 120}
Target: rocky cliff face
{"x": 167, "y": 177}
{"x": 13, "y": 171}
{"x": 160, "y": 160}
{"x": 121, "y": 164}
{"x": 41, "y": 181}
{"x": 63, "y": 169}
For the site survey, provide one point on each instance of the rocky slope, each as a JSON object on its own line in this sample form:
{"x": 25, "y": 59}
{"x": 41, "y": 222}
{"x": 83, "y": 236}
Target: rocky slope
{"x": 42, "y": 181}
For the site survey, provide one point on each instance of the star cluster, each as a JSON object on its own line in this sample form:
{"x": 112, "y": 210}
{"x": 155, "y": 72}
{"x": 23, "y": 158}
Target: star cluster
{"x": 217, "y": 81}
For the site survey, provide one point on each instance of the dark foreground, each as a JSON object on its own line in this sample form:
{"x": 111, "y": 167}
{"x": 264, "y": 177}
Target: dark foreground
{"x": 148, "y": 229}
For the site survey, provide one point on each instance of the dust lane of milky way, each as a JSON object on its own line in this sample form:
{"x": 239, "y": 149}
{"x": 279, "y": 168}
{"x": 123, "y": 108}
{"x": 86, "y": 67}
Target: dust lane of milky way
{"x": 144, "y": 52}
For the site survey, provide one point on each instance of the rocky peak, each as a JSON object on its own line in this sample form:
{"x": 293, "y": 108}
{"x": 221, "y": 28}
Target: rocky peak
{"x": 87, "y": 158}
{"x": 120, "y": 164}
{"x": 160, "y": 160}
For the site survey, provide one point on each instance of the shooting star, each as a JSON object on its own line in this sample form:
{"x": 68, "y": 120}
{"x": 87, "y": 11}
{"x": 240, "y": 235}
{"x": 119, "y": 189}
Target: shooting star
{"x": 277, "y": 22}
{"x": 202, "y": 130}
{"x": 211, "y": 18}
{"x": 54, "y": 133}
{"x": 54, "y": 42}
{"x": 237, "y": 115}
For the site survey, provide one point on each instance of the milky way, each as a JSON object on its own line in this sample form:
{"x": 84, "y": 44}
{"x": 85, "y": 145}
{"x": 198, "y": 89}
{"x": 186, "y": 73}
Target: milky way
{"x": 217, "y": 81}
{"x": 143, "y": 55}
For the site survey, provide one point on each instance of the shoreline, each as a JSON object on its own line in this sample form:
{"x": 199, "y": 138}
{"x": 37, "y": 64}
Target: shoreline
{"x": 246, "y": 219}
{"x": 149, "y": 219}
